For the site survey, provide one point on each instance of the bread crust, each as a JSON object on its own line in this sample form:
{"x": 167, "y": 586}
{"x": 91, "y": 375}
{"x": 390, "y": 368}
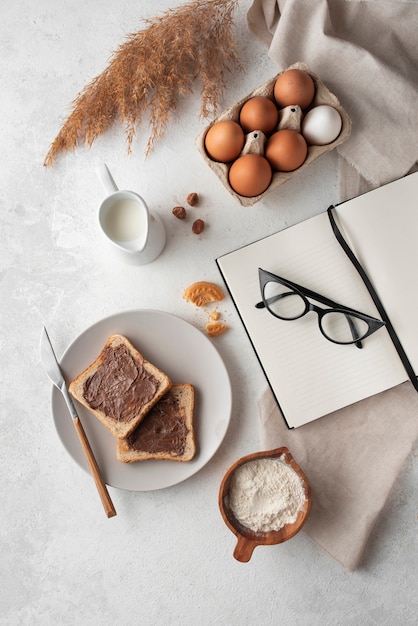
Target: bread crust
{"x": 159, "y": 383}
{"x": 184, "y": 397}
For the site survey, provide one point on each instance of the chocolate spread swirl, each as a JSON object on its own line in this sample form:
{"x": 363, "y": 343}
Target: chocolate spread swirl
{"x": 120, "y": 386}
{"x": 163, "y": 430}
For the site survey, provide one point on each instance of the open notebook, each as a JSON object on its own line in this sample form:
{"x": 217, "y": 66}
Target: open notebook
{"x": 310, "y": 376}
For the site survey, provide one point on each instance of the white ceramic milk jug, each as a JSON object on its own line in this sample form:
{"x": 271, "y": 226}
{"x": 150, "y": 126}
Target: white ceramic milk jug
{"x": 136, "y": 234}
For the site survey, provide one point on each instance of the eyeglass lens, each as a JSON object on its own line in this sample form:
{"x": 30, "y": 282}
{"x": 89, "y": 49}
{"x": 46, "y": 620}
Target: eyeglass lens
{"x": 343, "y": 327}
{"x": 283, "y": 302}
{"x": 338, "y": 326}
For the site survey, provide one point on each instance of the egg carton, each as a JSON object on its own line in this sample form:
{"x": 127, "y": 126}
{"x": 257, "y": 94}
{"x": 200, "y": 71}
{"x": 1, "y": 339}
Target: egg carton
{"x": 290, "y": 118}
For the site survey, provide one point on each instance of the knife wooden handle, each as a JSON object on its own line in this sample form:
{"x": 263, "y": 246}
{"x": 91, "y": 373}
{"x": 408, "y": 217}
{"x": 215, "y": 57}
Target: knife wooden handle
{"x": 94, "y": 468}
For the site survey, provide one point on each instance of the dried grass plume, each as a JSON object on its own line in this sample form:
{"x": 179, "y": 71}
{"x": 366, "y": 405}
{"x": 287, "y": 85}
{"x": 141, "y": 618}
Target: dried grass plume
{"x": 151, "y": 71}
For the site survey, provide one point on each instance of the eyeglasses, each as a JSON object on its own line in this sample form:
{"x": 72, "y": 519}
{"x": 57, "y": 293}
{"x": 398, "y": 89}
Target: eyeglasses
{"x": 289, "y": 301}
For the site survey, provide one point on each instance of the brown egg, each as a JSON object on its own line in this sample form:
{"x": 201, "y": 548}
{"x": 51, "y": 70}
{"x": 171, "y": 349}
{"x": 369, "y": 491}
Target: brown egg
{"x": 250, "y": 175}
{"x": 224, "y": 141}
{"x": 259, "y": 113}
{"x": 294, "y": 87}
{"x": 286, "y": 150}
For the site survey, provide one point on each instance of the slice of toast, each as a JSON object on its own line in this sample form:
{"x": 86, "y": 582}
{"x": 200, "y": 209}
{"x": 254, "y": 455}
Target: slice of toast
{"x": 166, "y": 433}
{"x": 120, "y": 386}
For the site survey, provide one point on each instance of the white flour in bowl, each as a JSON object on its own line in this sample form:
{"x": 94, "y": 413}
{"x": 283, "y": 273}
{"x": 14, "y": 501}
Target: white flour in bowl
{"x": 266, "y": 494}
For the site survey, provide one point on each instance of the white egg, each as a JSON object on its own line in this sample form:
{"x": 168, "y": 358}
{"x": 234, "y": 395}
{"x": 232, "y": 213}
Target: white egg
{"x": 321, "y": 125}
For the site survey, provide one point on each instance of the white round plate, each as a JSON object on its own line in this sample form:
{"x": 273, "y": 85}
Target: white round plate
{"x": 186, "y": 355}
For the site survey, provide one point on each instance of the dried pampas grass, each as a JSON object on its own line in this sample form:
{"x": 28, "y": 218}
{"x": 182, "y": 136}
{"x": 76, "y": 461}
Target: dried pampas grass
{"x": 151, "y": 71}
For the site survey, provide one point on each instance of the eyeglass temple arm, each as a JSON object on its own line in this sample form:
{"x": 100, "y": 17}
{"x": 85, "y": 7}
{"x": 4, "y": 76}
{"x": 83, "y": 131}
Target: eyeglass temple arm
{"x": 319, "y": 298}
{"x": 311, "y": 294}
{"x": 324, "y": 300}
{"x": 353, "y": 329}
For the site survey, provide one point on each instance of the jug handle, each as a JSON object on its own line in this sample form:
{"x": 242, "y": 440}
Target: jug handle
{"x": 106, "y": 178}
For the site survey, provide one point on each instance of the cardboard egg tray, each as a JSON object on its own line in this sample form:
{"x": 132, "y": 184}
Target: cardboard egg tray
{"x": 289, "y": 117}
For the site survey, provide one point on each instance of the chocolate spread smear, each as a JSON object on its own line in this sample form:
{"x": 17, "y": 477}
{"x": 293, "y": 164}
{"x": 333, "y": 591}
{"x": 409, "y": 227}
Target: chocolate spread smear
{"x": 120, "y": 386}
{"x": 163, "y": 430}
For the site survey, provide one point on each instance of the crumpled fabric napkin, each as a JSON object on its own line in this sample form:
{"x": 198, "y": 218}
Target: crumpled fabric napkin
{"x": 351, "y": 458}
{"x": 367, "y": 54}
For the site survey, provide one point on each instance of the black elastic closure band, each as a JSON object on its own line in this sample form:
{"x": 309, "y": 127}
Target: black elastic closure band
{"x": 382, "y": 312}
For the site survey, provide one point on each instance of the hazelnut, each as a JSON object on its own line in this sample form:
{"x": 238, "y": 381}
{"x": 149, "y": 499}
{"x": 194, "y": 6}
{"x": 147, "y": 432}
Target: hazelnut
{"x": 192, "y": 199}
{"x": 179, "y": 212}
{"x": 198, "y": 226}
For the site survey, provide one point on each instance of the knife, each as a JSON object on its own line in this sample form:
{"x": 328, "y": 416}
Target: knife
{"x": 54, "y": 372}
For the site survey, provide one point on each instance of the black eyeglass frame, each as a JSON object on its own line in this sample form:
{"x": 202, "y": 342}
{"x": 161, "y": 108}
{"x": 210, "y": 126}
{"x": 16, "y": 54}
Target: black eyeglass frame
{"x": 373, "y": 323}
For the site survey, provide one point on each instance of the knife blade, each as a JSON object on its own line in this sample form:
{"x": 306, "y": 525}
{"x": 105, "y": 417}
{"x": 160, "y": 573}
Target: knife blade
{"x": 53, "y": 369}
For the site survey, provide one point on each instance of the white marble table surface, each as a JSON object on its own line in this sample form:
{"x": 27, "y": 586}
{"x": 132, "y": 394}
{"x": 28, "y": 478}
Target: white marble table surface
{"x": 166, "y": 558}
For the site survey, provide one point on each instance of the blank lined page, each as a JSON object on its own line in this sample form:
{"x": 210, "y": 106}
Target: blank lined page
{"x": 382, "y": 230}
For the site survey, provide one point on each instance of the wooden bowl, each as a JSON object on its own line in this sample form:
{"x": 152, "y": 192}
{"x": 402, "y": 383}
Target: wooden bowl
{"x": 247, "y": 538}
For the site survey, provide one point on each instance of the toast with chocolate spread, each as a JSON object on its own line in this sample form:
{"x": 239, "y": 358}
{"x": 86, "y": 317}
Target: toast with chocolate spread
{"x": 120, "y": 387}
{"x": 166, "y": 433}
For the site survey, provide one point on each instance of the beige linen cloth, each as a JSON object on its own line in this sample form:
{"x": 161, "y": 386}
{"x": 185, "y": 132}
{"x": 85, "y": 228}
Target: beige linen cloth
{"x": 367, "y": 54}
